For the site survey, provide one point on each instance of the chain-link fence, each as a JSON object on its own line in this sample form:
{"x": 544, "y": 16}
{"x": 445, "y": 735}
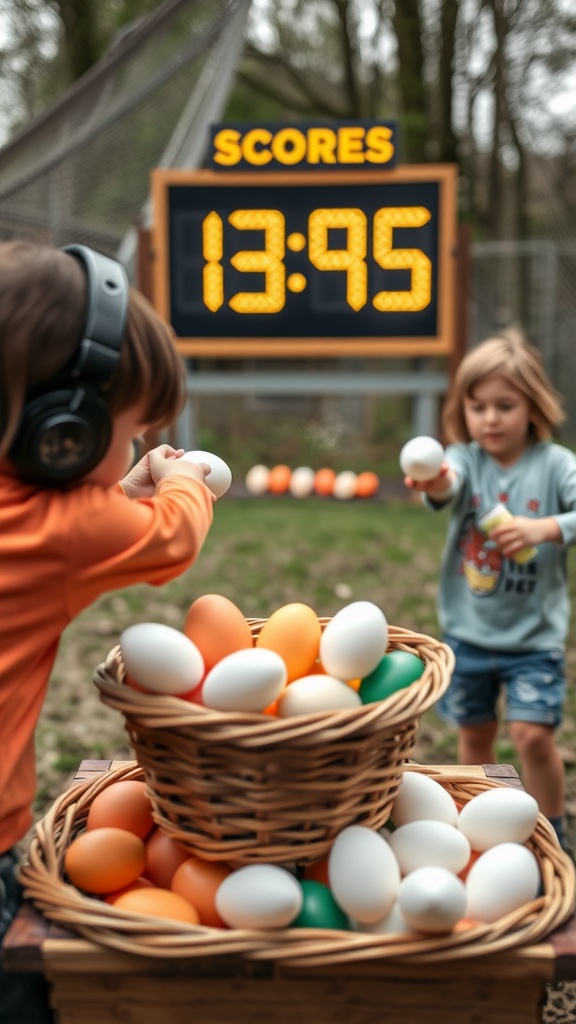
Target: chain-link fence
{"x": 531, "y": 284}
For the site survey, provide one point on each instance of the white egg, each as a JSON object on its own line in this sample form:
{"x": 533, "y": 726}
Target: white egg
{"x": 219, "y": 478}
{"x": 427, "y": 843}
{"x": 364, "y": 874}
{"x": 394, "y": 923}
{"x": 501, "y": 880}
{"x": 247, "y": 680}
{"x": 432, "y": 899}
{"x": 503, "y": 815}
{"x": 259, "y": 896}
{"x": 354, "y": 641}
{"x": 316, "y": 693}
{"x": 301, "y": 482}
{"x": 421, "y": 458}
{"x": 161, "y": 658}
{"x": 418, "y": 797}
{"x": 344, "y": 486}
{"x": 256, "y": 479}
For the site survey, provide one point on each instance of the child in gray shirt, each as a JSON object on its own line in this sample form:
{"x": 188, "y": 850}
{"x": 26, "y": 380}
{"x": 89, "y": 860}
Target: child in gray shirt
{"x": 503, "y": 595}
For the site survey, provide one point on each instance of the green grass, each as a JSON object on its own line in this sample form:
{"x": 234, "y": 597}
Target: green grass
{"x": 265, "y": 552}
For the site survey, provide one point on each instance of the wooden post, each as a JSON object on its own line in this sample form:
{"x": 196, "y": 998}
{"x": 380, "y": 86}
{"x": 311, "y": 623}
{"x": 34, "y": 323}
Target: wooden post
{"x": 145, "y": 284}
{"x": 462, "y": 299}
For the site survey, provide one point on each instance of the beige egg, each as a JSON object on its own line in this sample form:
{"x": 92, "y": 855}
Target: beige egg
{"x": 256, "y": 479}
{"x": 247, "y": 680}
{"x": 259, "y": 896}
{"x": 160, "y": 658}
{"x": 344, "y": 486}
{"x": 432, "y": 899}
{"x": 501, "y": 880}
{"x": 316, "y": 693}
{"x": 354, "y": 641}
{"x": 301, "y": 482}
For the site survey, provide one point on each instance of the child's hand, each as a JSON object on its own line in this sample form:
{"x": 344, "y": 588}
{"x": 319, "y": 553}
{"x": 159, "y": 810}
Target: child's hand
{"x": 437, "y": 486}
{"x": 522, "y": 532}
{"x": 140, "y": 481}
{"x": 163, "y": 465}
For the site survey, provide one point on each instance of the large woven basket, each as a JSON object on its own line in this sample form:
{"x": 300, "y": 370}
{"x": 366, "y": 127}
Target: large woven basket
{"x": 45, "y": 884}
{"x": 253, "y": 788}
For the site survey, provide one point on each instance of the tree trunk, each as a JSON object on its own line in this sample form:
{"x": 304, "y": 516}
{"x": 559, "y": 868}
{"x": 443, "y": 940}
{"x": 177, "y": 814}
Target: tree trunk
{"x": 447, "y": 143}
{"x": 82, "y": 39}
{"x": 407, "y": 27}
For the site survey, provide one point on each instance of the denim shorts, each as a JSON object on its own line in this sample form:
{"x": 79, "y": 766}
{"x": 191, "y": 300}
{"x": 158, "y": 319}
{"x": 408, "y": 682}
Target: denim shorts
{"x": 532, "y": 684}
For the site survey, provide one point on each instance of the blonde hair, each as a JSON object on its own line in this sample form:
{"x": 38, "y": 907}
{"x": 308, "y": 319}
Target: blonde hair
{"x": 509, "y": 355}
{"x": 42, "y": 314}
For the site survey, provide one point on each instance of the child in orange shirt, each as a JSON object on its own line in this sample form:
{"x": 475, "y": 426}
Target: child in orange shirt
{"x": 86, "y": 366}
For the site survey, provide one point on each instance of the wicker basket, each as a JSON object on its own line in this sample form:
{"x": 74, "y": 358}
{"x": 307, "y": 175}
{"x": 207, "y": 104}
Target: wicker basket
{"x": 44, "y": 884}
{"x": 252, "y": 788}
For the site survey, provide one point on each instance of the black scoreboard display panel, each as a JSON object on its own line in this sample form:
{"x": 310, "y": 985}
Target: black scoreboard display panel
{"x": 277, "y": 264}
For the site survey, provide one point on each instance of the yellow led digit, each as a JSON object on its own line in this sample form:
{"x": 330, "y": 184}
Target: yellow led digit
{"x": 212, "y": 250}
{"x": 267, "y": 261}
{"x": 385, "y": 220}
{"x": 352, "y": 259}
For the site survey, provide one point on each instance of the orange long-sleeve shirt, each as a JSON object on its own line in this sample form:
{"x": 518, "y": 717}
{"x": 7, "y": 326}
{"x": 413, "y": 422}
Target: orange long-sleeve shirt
{"x": 59, "y": 551}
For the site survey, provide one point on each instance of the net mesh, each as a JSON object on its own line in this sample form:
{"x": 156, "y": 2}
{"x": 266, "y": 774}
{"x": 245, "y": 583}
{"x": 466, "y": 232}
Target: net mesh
{"x": 81, "y": 171}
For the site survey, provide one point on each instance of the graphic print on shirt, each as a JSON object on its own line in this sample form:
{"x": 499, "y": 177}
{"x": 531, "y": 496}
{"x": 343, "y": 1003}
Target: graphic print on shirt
{"x": 481, "y": 560}
{"x": 485, "y": 567}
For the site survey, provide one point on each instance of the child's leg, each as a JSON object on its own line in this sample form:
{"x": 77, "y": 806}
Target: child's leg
{"x": 542, "y": 766}
{"x": 476, "y": 743}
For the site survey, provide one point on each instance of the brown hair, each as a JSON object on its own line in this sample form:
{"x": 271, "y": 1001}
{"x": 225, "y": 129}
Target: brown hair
{"x": 42, "y": 315}
{"x": 510, "y": 356}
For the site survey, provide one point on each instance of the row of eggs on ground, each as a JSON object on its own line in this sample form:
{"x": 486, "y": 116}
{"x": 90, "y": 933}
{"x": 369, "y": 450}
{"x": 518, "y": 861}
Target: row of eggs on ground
{"x": 291, "y": 667}
{"x": 304, "y": 481}
{"x": 441, "y": 867}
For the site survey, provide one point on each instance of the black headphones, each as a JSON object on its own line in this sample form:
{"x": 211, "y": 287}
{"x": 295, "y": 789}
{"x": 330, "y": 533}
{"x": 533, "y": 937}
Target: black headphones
{"x": 65, "y": 431}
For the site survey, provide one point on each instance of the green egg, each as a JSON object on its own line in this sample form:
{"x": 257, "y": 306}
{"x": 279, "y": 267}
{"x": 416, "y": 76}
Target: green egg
{"x": 319, "y": 909}
{"x": 396, "y": 671}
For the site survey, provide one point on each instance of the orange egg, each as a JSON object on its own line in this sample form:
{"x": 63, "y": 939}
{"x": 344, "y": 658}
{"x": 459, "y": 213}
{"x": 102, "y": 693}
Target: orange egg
{"x": 465, "y": 923}
{"x": 279, "y": 479}
{"x": 124, "y": 804}
{"x": 197, "y": 881}
{"x": 293, "y": 632}
{"x": 367, "y": 484}
{"x": 158, "y": 903}
{"x": 317, "y": 669}
{"x": 318, "y": 871}
{"x": 163, "y": 856}
{"x": 217, "y": 627}
{"x": 324, "y": 481}
{"x": 354, "y": 683}
{"x": 140, "y": 883}
{"x": 104, "y": 859}
{"x": 272, "y": 708}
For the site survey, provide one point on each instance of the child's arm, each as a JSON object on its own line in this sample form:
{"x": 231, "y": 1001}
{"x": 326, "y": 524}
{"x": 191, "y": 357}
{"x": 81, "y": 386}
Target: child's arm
{"x": 440, "y": 489}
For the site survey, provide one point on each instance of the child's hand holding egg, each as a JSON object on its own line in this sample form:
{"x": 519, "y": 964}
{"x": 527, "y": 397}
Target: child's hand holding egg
{"x": 421, "y": 459}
